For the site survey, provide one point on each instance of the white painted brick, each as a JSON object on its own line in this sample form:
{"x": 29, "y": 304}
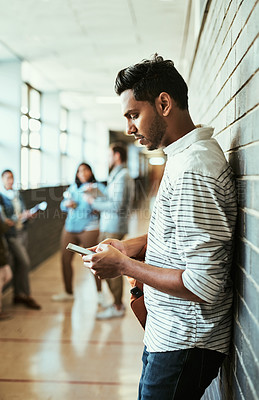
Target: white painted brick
{"x": 247, "y": 98}
{"x": 241, "y": 17}
{"x": 244, "y": 131}
{"x": 246, "y": 68}
{"x": 248, "y": 34}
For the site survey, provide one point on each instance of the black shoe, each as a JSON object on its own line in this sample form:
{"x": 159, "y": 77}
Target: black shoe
{"x": 27, "y": 301}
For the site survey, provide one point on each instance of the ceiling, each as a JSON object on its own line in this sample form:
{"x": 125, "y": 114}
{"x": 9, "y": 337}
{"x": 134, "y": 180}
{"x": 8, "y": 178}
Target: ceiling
{"x": 78, "y": 46}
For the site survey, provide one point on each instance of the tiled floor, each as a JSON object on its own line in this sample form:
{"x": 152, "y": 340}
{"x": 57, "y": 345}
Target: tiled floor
{"x": 61, "y": 352}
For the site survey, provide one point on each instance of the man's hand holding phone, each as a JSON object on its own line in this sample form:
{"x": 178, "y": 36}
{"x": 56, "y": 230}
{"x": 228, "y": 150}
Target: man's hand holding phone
{"x": 108, "y": 259}
{"x": 117, "y": 244}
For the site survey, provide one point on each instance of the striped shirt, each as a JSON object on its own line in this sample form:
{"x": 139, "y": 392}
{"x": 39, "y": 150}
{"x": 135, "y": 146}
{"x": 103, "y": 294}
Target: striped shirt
{"x": 191, "y": 229}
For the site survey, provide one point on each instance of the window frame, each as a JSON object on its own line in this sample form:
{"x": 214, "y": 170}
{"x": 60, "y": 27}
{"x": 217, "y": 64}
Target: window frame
{"x": 26, "y": 146}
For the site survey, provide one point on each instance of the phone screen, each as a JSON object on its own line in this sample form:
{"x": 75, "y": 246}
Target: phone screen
{"x": 79, "y": 249}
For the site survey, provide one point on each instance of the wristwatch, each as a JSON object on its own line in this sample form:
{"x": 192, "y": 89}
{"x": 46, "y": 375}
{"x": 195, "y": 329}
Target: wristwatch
{"x": 136, "y": 291}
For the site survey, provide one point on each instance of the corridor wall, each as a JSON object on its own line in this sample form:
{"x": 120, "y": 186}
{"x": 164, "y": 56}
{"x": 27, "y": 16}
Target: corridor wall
{"x": 223, "y": 85}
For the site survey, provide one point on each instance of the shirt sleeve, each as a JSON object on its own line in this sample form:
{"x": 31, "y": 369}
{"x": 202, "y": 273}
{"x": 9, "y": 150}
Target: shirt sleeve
{"x": 116, "y": 199}
{"x": 63, "y": 202}
{"x": 2, "y": 213}
{"x": 203, "y": 234}
{"x": 62, "y": 206}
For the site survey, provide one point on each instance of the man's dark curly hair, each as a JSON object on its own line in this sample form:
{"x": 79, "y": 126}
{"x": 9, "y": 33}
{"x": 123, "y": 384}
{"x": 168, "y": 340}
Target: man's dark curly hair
{"x": 121, "y": 149}
{"x": 149, "y": 78}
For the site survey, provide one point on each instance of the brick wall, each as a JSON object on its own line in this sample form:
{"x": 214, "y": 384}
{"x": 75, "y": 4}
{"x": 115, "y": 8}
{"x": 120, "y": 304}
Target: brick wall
{"x": 224, "y": 85}
{"x": 44, "y": 231}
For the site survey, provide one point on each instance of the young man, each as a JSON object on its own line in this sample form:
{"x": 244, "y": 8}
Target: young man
{"x": 14, "y": 214}
{"x": 115, "y": 207}
{"x": 186, "y": 274}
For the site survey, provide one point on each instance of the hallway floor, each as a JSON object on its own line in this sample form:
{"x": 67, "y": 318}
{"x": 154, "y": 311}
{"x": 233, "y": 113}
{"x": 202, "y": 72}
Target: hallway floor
{"x": 62, "y": 352}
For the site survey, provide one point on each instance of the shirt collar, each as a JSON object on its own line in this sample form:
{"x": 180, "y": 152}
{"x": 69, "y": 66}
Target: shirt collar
{"x": 10, "y": 194}
{"x": 202, "y": 132}
{"x": 115, "y": 171}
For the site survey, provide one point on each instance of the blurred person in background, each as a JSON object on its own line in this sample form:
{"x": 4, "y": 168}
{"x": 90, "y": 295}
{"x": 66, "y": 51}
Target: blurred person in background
{"x": 81, "y": 227}
{"x": 5, "y": 269}
{"x": 115, "y": 207}
{"x": 15, "y": 216}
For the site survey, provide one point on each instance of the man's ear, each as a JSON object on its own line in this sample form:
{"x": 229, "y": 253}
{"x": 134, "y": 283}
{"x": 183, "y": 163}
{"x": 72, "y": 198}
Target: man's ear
{"x": 164, "y": 103}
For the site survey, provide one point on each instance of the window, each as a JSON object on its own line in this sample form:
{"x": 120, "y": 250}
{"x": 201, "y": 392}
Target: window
{"x": 63, "y": 142}
{"x": 30, "y": 137}
{"x": 63, "y": 131}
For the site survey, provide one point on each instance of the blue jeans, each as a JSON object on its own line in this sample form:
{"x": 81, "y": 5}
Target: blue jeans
{"x": 178, "y": 375}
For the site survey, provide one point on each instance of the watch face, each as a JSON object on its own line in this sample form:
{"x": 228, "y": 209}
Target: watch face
{"x": 136, "y": 291}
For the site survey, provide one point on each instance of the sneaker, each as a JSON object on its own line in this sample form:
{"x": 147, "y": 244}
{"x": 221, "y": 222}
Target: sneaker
{"x": 111, "y": 312}
{"x": 27, "y": 301}
{"x": 63, "y": 297}
{"x": 102, "y": 301}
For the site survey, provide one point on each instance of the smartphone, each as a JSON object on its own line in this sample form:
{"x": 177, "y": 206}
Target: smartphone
{"x": 41, "y": 206}
{"x": 79, "y": 249}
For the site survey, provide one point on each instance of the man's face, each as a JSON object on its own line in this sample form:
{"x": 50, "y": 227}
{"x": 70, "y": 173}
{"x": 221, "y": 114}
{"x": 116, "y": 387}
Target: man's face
{"x": 143, "y": 121}
{"x": 8, "y": 180}
{"x": 111, "y": 159}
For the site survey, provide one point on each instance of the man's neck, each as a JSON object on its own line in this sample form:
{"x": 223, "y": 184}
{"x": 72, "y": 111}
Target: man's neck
{"x": 115, "y": 165}
{"x": 180, "y": 125}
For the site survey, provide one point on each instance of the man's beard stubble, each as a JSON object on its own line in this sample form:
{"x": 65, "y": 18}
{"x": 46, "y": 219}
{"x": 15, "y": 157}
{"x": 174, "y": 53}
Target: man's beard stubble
{"x": 156, "y": 132}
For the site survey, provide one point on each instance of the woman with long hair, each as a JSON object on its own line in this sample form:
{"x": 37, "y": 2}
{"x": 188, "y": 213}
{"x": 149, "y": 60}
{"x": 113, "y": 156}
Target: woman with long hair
{"x": 81, "y": 226}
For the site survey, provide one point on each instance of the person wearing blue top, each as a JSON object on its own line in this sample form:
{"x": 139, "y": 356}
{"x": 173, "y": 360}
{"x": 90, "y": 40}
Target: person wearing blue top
{"x": 81, "y": 226}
